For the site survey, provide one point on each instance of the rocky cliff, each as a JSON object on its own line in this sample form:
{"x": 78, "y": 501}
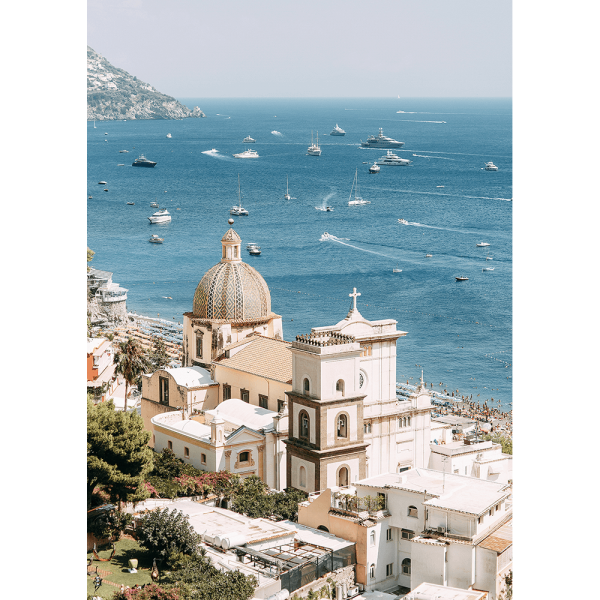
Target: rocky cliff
{"x": 113, "y": 93}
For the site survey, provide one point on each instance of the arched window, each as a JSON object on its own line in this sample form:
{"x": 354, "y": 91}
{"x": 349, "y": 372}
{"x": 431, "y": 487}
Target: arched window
{"x": 304, "y": 424}
{"x": 406, "y": 566}
{"x": 367, "y": 427}
{"x": 323, "y": 528}
{"x": 235, "y": 251}
{"x": 302, "y": 477}
{"x": 342, "y": 426}
{"x": 339, "y": 386}
{"x": 343, "y": 477}
{"x": 408, "y": 421}
{"x": 400, "y": 422}
{"x": 412, "y": 511}
{"x": 372, "y": 538}
{"x": 306, "y": 385}
{"x": 372, "y": 571}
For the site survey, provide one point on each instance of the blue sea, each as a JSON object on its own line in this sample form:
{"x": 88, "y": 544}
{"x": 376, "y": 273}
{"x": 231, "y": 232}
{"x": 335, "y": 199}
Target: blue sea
{"x": 459, "y": 333}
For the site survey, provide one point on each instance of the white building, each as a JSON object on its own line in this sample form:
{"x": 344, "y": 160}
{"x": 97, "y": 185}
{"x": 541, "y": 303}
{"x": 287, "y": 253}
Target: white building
{"x": 439, "y": 528}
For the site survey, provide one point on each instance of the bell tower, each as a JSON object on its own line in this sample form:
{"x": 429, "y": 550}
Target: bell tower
{"x": 325, "y": 447}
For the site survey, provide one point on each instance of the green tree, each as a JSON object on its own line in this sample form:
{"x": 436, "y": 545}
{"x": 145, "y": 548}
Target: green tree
{"x": 131, "y": 362}
{"x": 286, "y": 503}
{"x": 118, "y": 455}
{"x": 166, "y": 532}
{"x": 158, "y": 355}
{"x": 90, "y": 255}
{"x": 253, "y": 499}
{"x": 504, "y": 441}
{"x": 110, "y": 525}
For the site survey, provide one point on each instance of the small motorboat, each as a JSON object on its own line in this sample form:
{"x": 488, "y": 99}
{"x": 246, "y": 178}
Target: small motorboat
{"x": 90, "y": 197}
{"x": 249, "y": 140}
{"x": 461, "y": 278}
{"x": 123, "y": 151}
{"x": 102, "y": 183}
{"x": 168, "y": 135}
{"x": 482, "y": 244}
{"x": 396, "y": 270}
{"x": 251, "y": 245}
{"x": 131, "y": 203}
{"x": 374, "y": 168}
{"x": 428, "y": 255}
{"x": 120, "y": 165}
{"x": 490, "y": 166}
{"x": 106, "y": 189}
{"x": 328, "y": 209}
{"x": 105, "y": 133}
{"x": 254, "y": 251}
{"x": 154, "y": 204}
{"x": 403, "y": 221}
{"x": 156, "y": 240}
{"x": 487, "y": 269}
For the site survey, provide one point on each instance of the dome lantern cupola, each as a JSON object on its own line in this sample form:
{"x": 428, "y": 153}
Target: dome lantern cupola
{"x": 231, "y": 243}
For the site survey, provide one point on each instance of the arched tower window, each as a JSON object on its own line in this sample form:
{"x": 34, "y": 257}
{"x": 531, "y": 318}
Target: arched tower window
{"x": 302, "y": 477}
{"x": 304, "y": 424}
{"x": 372, "y": 571}
{"x": 342, "y": 426}
{"x": 406, "y": 566}
{"x": 339, "y": 387}
{"x": 306, "y": 386}
{"x": 343, "y": 477}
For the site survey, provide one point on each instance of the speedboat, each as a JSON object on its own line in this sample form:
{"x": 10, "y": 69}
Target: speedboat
{"x": 253, "y": 249}
{"x": 461, "y": 278}
{"x": 106, "y": 189}
{"x": 131, "y": 203}
{"x": 490, "y": 166}
{"x": 381, "y": 141}
{"x": 156, "y": 240}
{"x": 154, "y": 204}
{"x": 160, "y": 216}
{"x": 328, "y": 209}
{"x": 102, "y": 183}
{"x": 314, "y": 149}
{"x": 123, "y": 151}
{"x": 487, "y": 269}
{"x": 325, "y": 237}
{"x": 250, "y": 245}
{"x": 337, "y": 130}
{"x": 374, "y": 168}
{"x": 249, "y": 140}
{"x": 168, "y": 135}
{"x": 482, "y": 244}
{"x": 90, "y": 197}
{"x": 357, "y": 198}
{"x": 142, "y": 161}
{"x": 428, "y": 255}
{"x": 247, "y": 154}
{"x": 391, "y": 159}
{"x": 396, "y": 270}
{"x": 403, "y": 221}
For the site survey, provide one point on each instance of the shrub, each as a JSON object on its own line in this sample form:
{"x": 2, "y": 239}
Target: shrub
{"x": 163, "y": 532}
{"x": 110, "y": 525}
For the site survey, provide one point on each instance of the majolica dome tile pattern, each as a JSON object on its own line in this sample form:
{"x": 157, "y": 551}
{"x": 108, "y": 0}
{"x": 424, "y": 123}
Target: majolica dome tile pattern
{"x": 232, "y": 291}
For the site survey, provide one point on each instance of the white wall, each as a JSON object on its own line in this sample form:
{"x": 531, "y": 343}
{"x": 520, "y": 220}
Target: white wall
{"x": 310, "y": 474}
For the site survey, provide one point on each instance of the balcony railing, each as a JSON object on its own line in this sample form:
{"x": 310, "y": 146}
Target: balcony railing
{"x": 354, "y": 504}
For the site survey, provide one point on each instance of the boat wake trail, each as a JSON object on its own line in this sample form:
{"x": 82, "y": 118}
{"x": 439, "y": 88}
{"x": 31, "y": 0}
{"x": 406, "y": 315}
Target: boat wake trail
{"x": 325, "y": 200}
{"x": 327, "y": 237}
{"x": 215, "y": 154}
{"x": 441, "y": 228}
{"x": 415, "y": 121}
{"x": 278, "y": 133}
{"x": 440, "y": 157}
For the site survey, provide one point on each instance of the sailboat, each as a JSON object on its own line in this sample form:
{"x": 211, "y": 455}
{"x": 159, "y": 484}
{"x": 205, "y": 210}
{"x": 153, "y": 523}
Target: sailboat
{"x": 314, "y": 149}
{"x": 239, "y": 210}
{"x": 287, "y": 189}
{"x": 357, "y": 198}
{"x": 94, "y": 124}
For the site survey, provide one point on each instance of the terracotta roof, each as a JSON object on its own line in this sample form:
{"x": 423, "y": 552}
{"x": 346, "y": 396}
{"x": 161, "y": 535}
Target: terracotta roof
{"x": 265, "y": 357}
{"x": 499, "y": 540}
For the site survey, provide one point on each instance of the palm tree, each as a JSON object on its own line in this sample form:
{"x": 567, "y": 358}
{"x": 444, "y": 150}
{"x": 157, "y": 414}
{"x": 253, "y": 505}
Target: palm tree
{"x": 131, "y": 362}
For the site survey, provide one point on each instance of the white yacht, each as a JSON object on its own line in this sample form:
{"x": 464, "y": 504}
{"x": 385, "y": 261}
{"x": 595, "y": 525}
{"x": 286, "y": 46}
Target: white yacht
{"x": 123, "y": 151}
{"x": 168, "y": 135}
{"x": 396, "y": 270}
{"x": 156, "y": 240}
{"x": 160, "y": 216}
{"x": 482, "y": 244}
{"x": 357, "y": 198}
{"x": 487, "y": 269}
{"x": 249, "y": 140}
{"x": 381, "y": 141}
{"x": 314, "y": 149}
{"x": 247, "y": 154}
{"x": 251, "y": 245}
{"x": 337, "y": 130}
{"x": 490, "y": 166}
{"x": 254, "y": 251}
{"x": 391, "y": 159}
{"x": 374, "y": 168}
{"x": 403, "y": 221}
{"x": 239, "y": 210}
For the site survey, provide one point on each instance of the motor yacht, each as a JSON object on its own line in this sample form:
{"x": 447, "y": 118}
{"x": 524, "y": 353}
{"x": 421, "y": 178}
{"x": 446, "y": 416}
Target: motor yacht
{"x": 391, "y": 159}
{"x": 403, "y": 221}
{"x": 247, "y": 154}
{"x": 482, "y": 244}
{"x": 102, "y": 183}
{"x": 487, "y": 269}
{"x": 314, "y": 149}
{"x": 374, "y": 168}
{"x": 142, "y": 161}
{"x": 123, "y": 151}
{"x": 154, "y": 204}
{"x": 396, "y": 270}
{"x": 168, "y": 135}
{"x": 337, "y": 130}
{"x": 428, "y": 255}
{"x": 490, "y": 166}
{"x": 249, "y": 140}
{"x": 461, "y": 278}
{"x": 381, "y": 141}
{"x": 160, "y": 216}
{"x": 254, "y": 251}
{"x": 357, "y": 198}
{"x": 131, "y": 203}
{"x": 250, "y": 245}
{"x": 156, "y": 240}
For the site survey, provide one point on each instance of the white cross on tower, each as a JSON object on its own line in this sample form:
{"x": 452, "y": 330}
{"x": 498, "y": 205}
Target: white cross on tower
{"x": 354, "y": 296}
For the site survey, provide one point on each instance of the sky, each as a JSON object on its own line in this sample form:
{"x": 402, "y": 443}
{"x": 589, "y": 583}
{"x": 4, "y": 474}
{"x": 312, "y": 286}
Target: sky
{"x": 313, "y": 48}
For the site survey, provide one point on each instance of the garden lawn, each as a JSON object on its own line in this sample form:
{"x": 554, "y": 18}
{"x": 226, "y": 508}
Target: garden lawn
{"x": 125, "y": 549}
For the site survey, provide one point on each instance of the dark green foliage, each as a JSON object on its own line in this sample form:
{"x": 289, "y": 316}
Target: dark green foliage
{"x": 118, "y": 456}
{"x": 131, "y": 362}
{"x": 158, "y": 355}
{"x": 286, "y": 503}
{"x": 504, "y": 441}
{"x": 253, "y": 498}
{"x": 167, "y": 466}
{"x": 110, "y": 525}
{"x": 164, "y": 532}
